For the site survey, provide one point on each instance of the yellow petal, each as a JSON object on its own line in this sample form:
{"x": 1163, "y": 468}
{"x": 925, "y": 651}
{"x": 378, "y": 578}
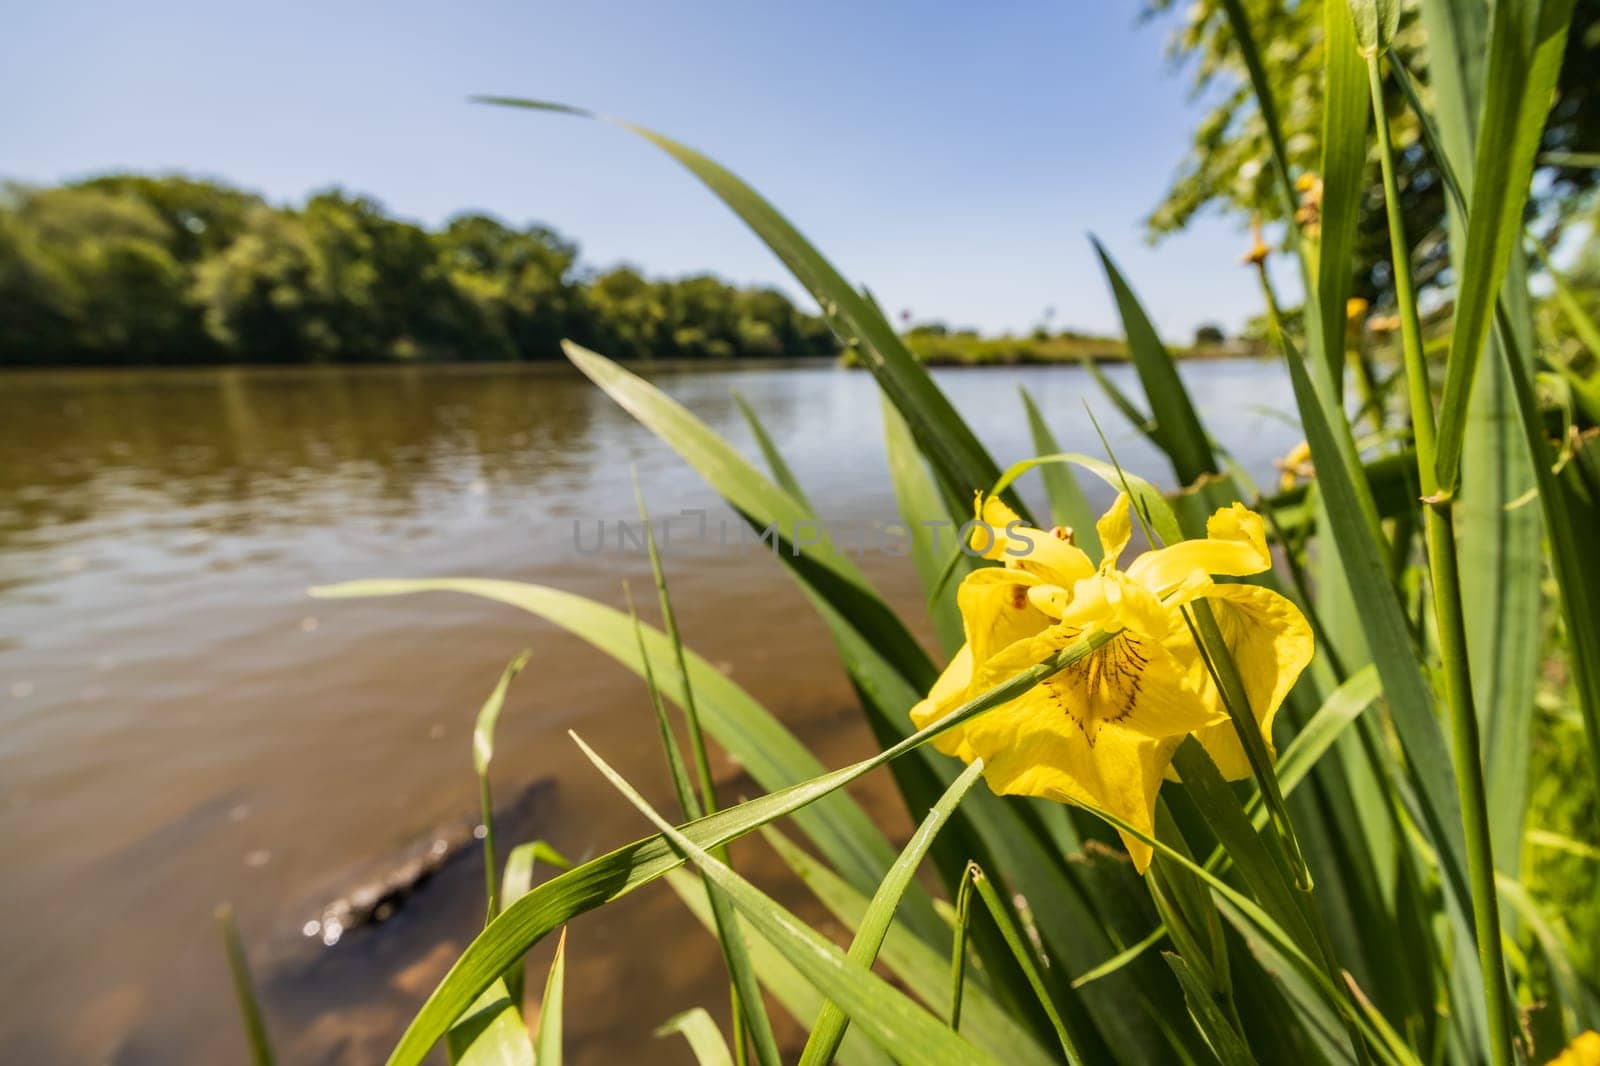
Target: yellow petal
{"x": 1271, "y": 643}
{"x": 948, "y": 693}
{"x": 1004, "y": 538}
{"x": 996, "y": 609}
{"x": 1115, "y": 528}
{"x": 1235, "y": 545}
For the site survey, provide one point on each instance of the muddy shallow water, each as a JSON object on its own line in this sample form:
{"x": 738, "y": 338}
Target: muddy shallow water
{"x": 180, "y": 725}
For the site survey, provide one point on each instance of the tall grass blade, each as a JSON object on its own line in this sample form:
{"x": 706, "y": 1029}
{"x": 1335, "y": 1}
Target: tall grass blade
{"x": 955, "y": 454}
{"x": 482, "y": 754}
{"x": 1409, "y": 696}
{"x": 677, "y": 769}
{"x": 746, "y": 994}
{"x": 1227, "y": 1043}
{"x": 1344, "y": 161}
{"x": 831, "y": 1023}
{"x": 1177, "y": 426}
{"x": 748, "y": 1007}
{"x": 700, "y": 1030}
{"x": 1145, "y": 424}
{"x": 547, "y": 1045}
{"x": 1264, "y": 871}
{"x": 1023, "y": 952}
{"x": 1244, "y": 35}
{"x": 244, "y": 988}
{"x": 1568, "y": 502}
{"x": 1525, "y": 48}
{"x": 923, "y": 513}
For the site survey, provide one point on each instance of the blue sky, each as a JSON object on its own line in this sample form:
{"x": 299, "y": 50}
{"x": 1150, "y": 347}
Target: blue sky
{"x": 951, "y": 156}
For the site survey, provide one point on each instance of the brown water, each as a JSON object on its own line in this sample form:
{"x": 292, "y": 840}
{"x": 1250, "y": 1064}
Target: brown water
{"x": 180, "y": 725}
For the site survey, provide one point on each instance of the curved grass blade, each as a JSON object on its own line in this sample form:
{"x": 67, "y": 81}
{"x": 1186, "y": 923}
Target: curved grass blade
{"x": 896, "y": 1023}
{"x": 799, "y": 539}
{"x": 700, "y": 1030}
{"x": 954, "y": 452}
{"x": 831, "y": 1023}
{"x": 772, "y": 755}
{"x": 1342, "y": 707}
{"x": 520, "y": 865}
{"x": 1121, "y": 959}
{"x": 1148, "y": 503}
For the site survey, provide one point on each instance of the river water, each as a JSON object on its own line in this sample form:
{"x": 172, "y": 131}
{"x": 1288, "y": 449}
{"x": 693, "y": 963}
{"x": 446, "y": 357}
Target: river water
{"x": 181, "y": 725}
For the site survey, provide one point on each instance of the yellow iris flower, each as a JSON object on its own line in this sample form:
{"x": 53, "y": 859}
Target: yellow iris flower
{"x": 1102, "y": 731}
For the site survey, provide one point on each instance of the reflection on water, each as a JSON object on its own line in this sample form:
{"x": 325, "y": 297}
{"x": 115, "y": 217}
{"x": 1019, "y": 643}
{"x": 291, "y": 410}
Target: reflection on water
{"x": 180, "y": 725}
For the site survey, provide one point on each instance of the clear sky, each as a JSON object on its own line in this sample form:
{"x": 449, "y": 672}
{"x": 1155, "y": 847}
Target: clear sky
{"x": 952, "y": 156}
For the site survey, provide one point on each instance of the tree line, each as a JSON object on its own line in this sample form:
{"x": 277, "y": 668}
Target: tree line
{"x": 135, "y": 270}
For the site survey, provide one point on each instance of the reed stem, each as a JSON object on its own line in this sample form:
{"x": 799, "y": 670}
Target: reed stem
{"x": 1444, "y": 572}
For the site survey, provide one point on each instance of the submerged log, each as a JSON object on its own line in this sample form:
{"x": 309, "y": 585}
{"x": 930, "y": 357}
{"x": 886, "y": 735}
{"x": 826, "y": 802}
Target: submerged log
{"x": 379, "y": 892}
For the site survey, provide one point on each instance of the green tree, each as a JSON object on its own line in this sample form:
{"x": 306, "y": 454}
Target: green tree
{"x": 1227, "y": 166}
{"x": 134, "y": 270}
{"x": 91, "y": 276}
{"x": 267, "y": 296}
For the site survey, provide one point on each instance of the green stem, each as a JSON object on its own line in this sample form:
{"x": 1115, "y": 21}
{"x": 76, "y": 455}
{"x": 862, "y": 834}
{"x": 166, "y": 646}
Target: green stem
{"x": 1444, "y": 571}
{"x": 490, "y": 865}
{"x": 958, "y": 950}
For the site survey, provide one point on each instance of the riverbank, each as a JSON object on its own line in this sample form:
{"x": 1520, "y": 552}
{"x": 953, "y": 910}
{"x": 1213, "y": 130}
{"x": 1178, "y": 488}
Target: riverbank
{"x": 964, "y": 352}
{"x": 969, "y": 349}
